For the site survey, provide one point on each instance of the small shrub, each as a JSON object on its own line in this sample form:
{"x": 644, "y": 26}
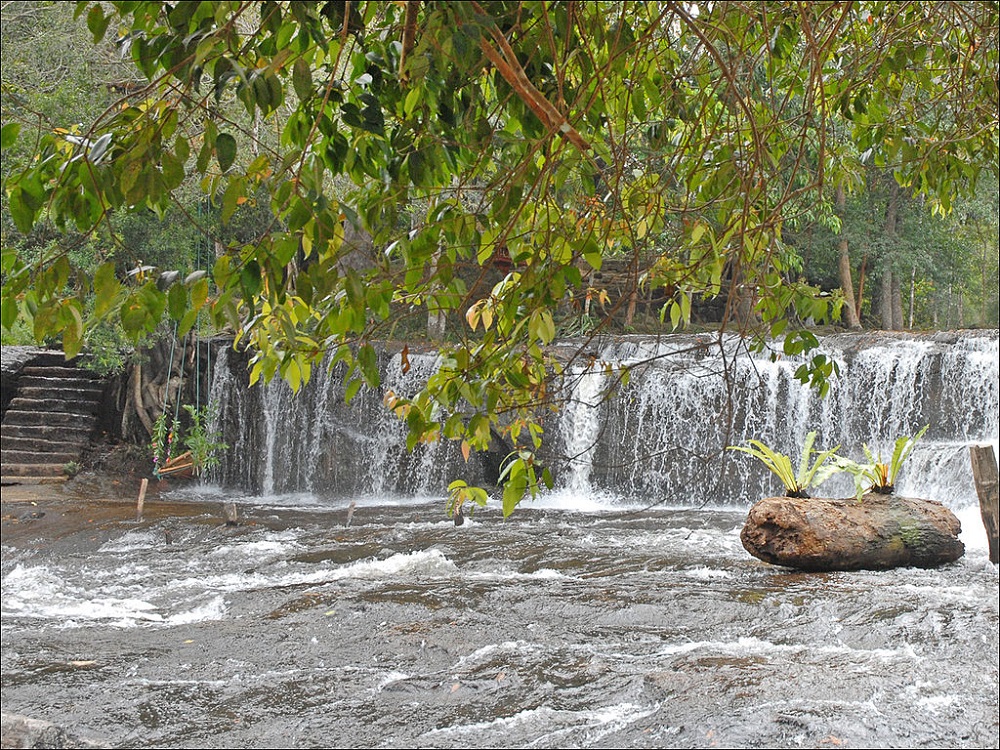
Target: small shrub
{"x": 811, "y": 473}
{"x": 877, "y": 475}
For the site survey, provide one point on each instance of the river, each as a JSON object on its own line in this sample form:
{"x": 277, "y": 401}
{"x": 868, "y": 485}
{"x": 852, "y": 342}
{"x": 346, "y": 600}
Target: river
{"x": 610, "y": 627}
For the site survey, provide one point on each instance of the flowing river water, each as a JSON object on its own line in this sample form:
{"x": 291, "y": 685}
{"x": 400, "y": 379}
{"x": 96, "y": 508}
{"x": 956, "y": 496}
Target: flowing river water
{"x": 601, "y": 615}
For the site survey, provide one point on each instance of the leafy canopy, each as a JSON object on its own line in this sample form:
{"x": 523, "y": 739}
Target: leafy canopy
{"x": 679, "y": 136}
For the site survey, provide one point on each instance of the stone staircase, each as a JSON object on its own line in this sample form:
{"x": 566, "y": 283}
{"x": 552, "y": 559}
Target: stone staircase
{"x": 49, "y": 422}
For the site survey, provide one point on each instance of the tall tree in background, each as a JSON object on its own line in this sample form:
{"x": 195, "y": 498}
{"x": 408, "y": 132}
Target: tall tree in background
{"x": 850, "y": 309}
{"x": 551, "y": 135}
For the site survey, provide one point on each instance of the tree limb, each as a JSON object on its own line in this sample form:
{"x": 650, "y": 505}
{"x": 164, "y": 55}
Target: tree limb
{"x": 508, "y": 66}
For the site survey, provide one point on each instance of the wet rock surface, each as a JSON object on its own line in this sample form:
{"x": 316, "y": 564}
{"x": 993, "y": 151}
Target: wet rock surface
{"x": 876, "y": 533}
{"x": 24, "y": 732}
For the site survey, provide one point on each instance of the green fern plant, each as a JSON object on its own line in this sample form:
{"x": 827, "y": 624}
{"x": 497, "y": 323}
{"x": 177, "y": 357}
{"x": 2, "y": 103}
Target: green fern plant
{"x": 877, "y": 475}
{"x": 811, "y": 473}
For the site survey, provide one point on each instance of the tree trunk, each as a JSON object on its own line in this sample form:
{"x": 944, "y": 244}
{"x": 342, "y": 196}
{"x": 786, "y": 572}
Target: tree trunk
{"x": 137, "y": 405}
{"x": 844, "y": 266}
{"x": 885, "y": 298}
{"x": 886, "y": 293}
{"x": 633, "y": 298}
{"x": 984, "y": 471}
{"x": 740, "y": 306}
{"x": 880, "y": 532}
{"x": 862, "y": 278}
{"x": 897, "y": 303}
{"x": 913, "y": 292}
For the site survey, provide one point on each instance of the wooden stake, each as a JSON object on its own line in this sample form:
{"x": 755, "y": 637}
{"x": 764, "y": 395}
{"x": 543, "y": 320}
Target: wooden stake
{"x": 142, "y": 499}
{"x": 350, "y": 513}
{"x": 984, "y": 470}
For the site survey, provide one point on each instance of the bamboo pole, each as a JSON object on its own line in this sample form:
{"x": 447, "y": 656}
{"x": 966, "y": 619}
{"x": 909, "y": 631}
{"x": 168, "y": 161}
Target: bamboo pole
{"x": 984, "y": 470}
{"x": 142, "y": 499}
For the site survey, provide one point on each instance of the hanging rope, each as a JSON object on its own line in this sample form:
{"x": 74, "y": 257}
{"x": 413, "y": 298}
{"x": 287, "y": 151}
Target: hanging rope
{"x": 180, "y": 386}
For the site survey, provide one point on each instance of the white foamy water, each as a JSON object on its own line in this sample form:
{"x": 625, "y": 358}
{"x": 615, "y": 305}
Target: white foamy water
{"x": 182, "y": 590}
{"x": 590, "y": 725}
{"x": 43, "y": 593}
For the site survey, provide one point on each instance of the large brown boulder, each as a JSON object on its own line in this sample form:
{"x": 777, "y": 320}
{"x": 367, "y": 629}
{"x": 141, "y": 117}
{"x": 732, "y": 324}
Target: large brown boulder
{"x": 876, "y": 533}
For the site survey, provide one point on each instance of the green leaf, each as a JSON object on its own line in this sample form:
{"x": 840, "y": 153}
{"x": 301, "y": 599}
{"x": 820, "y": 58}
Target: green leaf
{"x": 199, "y": 293}
{"x": 352, "y": 389}
{"x": 250, "y": 279}
{"x": 106, "y": 288}
{"x": 225, "y": 151}
{"x": 368, "y": 361}
{"x": 21, "y": 212}
{"x": 9, "y": 133}
{"x": 177, "y": 301}
{"x": 514, "y": 489}
{"x": 302, "y": 79}
{"x": 97, "y": 22}
{"x": 231, "y": 199}
{"x": 72, "y": 337}
{"x": 173, "y": 170}
{"x": 8, "y": 312}
{"x": 187, "y": 322}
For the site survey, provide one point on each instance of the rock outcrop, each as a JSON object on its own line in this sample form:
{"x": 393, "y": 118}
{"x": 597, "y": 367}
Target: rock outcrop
{"x": 18, "y": 731}
{"x": 879, "y": 532}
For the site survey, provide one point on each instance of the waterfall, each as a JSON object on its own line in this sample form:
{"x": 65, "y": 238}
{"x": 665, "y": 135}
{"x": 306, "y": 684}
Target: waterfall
{"x": 581, "y": 427}
{"x": 282, "y": 442}
{"x": 661, "y": 438}
{"x": 664, "y": 438}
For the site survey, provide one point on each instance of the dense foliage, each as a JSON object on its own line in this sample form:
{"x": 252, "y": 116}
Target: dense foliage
{"x": 480, "y": 162}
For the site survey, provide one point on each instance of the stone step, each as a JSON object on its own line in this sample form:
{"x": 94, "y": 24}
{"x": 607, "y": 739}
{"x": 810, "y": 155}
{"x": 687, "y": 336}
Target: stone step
{"x": 52, "y": 358}
{"x": 33, "y": 470}
{"x": 53, "y": 453}
{"x": 50, "y": 420}
{"x": 64, "y": 394}
{"x": 60, "y": 433}
{"x": 58, "y": 372}
{"x": 50, "y": 417}
{"x": 83, "y": 385}
{"x": 86, "y": 406}
{"x": 36, "y": 444}
{"x": 6, "y": 480}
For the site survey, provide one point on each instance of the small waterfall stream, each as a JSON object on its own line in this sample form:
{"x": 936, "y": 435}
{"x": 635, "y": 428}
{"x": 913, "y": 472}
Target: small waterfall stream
{"x": 312, "y": 442}
{"x": 579, "y": 427}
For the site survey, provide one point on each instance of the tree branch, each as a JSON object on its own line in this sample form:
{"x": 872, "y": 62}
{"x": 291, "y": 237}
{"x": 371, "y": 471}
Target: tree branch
{"x": 508, "y": 66}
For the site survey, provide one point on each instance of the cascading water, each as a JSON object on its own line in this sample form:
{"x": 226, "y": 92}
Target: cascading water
{"x": 662, "y": 438}
{"x": 312, "y": 442}
{"x": 580, "y": 430}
